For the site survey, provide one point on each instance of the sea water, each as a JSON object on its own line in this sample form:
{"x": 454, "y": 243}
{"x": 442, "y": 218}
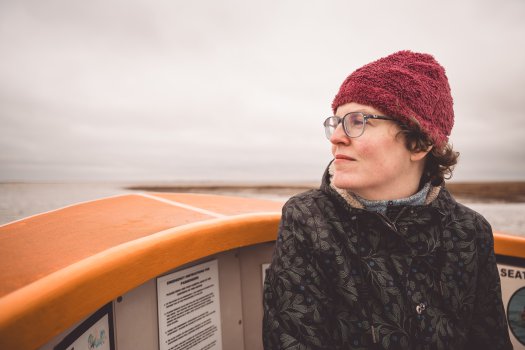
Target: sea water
{"x": 20, "y": 200}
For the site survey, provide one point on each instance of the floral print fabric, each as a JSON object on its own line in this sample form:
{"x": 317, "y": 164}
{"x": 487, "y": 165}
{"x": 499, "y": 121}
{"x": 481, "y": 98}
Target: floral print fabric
{"x": 419, "y": 277}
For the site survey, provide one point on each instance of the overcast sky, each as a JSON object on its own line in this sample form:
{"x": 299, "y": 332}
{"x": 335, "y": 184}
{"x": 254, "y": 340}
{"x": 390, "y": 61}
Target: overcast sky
{"x": 228, "y": 90}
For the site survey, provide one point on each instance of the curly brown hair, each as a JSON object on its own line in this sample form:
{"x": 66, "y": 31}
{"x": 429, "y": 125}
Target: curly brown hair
{"x": 439, "y": 163}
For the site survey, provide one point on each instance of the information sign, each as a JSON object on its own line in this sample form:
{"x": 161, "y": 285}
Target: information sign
{"x": 513, "y": 295}
{"x": 189, "y": 308}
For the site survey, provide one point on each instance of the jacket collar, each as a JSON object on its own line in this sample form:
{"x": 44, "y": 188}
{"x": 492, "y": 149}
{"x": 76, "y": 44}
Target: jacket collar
{"x": 437, "y": 195}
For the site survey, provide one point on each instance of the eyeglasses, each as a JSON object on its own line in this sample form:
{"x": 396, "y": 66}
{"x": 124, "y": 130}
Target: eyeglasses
{"x": 353, "y": 123}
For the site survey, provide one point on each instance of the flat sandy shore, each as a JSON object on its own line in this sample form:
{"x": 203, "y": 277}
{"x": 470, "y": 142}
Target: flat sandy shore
{"x": 505, "y": 192}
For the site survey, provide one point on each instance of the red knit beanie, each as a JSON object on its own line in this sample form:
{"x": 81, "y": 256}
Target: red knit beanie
{"x": 410, "y": 87}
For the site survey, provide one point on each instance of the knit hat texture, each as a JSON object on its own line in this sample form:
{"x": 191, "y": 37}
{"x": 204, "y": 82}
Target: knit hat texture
{"x": 408, "y": 86}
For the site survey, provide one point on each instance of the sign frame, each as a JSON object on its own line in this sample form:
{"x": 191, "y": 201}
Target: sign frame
{"x": 87, "y": 325}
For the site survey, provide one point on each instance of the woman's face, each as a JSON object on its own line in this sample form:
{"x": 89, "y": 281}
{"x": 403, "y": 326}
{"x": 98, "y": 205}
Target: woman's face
{"x": 377, "y": 165}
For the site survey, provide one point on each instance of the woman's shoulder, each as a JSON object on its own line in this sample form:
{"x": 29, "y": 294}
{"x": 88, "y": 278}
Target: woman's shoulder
{"x": 314, "y": 199}
{"x": 312, "y": 208}
{"x": 464, "y": 217}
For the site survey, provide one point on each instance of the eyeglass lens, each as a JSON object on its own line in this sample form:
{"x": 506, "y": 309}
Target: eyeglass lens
{"x": 353, "y": 125}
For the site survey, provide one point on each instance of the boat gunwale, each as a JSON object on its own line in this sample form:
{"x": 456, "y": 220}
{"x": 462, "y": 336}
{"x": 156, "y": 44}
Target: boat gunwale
{"x": 58, "y": 300}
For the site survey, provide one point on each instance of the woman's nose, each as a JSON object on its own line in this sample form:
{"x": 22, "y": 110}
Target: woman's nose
{"x": 339, "y": 136}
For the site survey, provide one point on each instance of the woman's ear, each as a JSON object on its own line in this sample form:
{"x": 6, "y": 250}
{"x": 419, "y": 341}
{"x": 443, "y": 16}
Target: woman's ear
{"x": 419, "y": 155}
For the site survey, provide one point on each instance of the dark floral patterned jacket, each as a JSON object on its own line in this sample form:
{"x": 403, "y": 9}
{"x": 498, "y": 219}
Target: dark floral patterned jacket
{"x": 419, "y": 277}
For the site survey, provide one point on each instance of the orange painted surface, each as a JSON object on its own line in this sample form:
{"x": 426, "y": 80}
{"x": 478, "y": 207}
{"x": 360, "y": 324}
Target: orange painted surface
{"x": 227, "y": 205}
{"x": 505, "y": 244}
{"x": 33, "y": 248}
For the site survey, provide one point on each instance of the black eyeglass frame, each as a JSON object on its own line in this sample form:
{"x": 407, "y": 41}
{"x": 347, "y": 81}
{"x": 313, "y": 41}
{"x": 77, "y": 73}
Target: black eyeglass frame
{"x": 344, "y": 118}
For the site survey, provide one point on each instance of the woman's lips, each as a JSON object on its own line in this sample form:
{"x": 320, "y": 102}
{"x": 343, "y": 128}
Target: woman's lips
{"x": 343, "y": 157}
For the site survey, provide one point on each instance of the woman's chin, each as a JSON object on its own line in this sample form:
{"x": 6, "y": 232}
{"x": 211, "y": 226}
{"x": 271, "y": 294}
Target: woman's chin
{"x": 343, "y": 182}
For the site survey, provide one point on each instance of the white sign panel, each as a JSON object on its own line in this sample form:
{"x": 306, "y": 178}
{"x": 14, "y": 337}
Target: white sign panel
{"x": 189, "y": 310}
{"x": 513, "y": 295}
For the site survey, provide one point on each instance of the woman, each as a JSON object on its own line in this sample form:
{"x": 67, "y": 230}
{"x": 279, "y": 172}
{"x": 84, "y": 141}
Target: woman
{"x": 382, "y": 256}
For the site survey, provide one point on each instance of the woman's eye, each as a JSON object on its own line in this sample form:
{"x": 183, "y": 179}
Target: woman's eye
{"x": 357, "y": 122}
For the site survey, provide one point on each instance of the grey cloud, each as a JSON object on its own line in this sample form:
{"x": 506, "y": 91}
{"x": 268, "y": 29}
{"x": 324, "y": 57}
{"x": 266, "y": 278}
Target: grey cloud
{"x": 235, "y": 89}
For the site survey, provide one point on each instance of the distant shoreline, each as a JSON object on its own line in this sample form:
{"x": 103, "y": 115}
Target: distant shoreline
{"x": 508, "y": 192}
